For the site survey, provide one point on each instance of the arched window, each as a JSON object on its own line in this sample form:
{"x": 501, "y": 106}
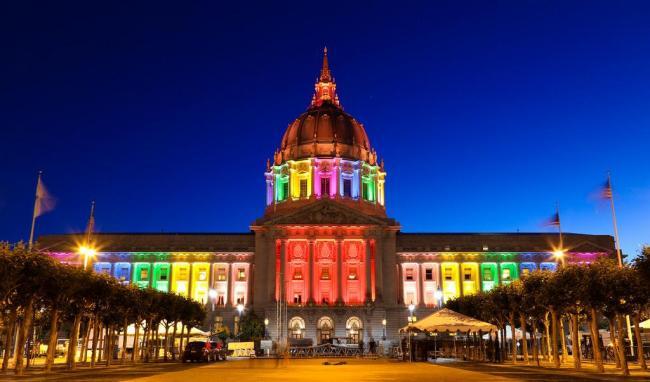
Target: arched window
{"x": 296, "y": 327}
{"x": 354, "y": 329}
{"x": 325, "y": 327}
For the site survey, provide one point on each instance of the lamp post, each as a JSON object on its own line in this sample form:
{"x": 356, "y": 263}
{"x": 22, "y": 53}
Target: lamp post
{"x": 213, "y": 295}
{"x": 240, "y": 309}
{"x": 411, "y": 320}
{"x": 383, "y": 323}
{"x": 266, "y": 331}
{"x": 438, "y": 295}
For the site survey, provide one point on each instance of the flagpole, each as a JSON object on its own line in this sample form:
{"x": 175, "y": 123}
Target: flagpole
{"x": 559, "y": 229}
{"x": 31, "y": 232}
{"x": 619, "y": 257}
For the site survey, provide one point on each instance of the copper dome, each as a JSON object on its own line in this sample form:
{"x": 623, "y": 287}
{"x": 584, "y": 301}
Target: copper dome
{"x": 325, "y": 130}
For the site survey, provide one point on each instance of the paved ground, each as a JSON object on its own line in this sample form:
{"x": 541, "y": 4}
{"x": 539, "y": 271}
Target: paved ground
{"x": 315, "y": 371}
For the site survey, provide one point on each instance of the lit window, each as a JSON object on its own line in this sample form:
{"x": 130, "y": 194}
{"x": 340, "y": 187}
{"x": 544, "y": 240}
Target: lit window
{"x": 448, "y": 276}
{"x": 487, "y": 275}
{"x": 303, "y": 188}
{"x": 428, "y": 274}
{"x": 347, "y": 187}
{"x": 325, "y": 186}
{"x": 353, "y": 274}
{"x": 467, "y": 274}
{"x": 325, "y": 274}
{"x": 221, "y": 274}
{"x": 203, "y": 276}
{"x": 297, "y": 298}
{"x": 183, "y": 273}
{"x": 144, "y": 274}
{"x": 241, "y": 274}
{"x": 409, "y": 274}
{"x": 163, "y": 274}
{"x": 505, "y": 275}
{"x": 297, "y": 274}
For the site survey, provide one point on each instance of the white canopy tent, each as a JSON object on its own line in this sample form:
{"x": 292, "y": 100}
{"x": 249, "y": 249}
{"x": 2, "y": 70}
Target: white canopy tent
{"x": 645, "y": 324}
{"x": 446, "y": 320}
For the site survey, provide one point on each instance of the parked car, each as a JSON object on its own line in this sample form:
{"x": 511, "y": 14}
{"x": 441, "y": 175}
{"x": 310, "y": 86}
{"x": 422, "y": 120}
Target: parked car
{"x": 197, "y": 351}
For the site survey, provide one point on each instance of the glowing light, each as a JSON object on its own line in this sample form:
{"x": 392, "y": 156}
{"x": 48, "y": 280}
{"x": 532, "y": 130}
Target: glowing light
{"x": 411, "y": 308}
{"x": 266, "y": 322}
{"x": 383, "y": 322}
{"x": 240, "y": 308}
{"x": 558, "y": 254}
{"x": 212, "y": 293}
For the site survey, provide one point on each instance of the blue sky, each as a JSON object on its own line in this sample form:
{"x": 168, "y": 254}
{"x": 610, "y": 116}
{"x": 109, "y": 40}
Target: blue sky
{"x": 486, "y": 113}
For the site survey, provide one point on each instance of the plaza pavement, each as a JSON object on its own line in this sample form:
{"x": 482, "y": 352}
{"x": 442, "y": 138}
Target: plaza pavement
{"x": 313, "y": 370}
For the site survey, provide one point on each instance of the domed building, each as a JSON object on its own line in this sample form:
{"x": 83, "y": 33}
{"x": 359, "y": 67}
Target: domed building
{"x": 325, "y": 262}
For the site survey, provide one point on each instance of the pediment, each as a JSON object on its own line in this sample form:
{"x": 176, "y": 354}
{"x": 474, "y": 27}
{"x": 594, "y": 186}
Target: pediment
{"x": 325, "y": 212}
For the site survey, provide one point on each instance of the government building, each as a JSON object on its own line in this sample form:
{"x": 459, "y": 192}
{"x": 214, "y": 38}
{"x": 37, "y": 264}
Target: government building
{"x": 325, "y": 261}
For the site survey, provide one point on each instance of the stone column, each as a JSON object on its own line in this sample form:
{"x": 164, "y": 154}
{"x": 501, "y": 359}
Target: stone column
{"x": 379, "y": 275}
{"x": 283, "y": 261}
{"x": 230, "y": 301}
{"x": 339, "y": 272}
{"x": 366, "y": 262}
{"x": 311, "y": 282}
{"x": 421, "y": 274}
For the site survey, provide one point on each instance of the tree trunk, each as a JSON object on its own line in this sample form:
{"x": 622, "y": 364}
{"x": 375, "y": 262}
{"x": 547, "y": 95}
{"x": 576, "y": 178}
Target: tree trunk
{"x": 173, "y": 345}
{"x": 595, "y": 340}
{"x": 51, "y": 345}
{"x": 157, "y": 343}
{"x": 639, "y": 342}
{"x": 554, "y": 349}
{"x": 166, "y": 343}
{"x": 513, "y": 345}
{"x": 93, "y": 353}
{"x": 563, "y": 339}
{"x": 524, "y": 341}
{"x": 534, "y": 343}
{"x": 89, "y": 325}
{"x": 9, "y": 338}
{"x": 612, "y": 335}
{"x": 124, "y": 340}
{"x": 180, "y": 346}
{"x": 621, "y": 344}
{"x": 135, "y": 356}
{"x": 22, "y": 336}
{"x": 108, "y": 340}
{"x": 72, "y": 346}
{"x": 575, "y": 340}
{"x": 547, "y": 332}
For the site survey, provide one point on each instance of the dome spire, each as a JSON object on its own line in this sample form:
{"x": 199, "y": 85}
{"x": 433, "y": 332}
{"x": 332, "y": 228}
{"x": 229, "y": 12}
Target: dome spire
{"x": 325, "y": 75}
{"x": 325, "y": 88}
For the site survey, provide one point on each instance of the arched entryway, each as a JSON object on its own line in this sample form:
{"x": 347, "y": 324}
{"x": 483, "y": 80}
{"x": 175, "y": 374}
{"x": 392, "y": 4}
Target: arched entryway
{"x": 354, "y": 329}
{"x": 325, "y": 330}
{"x": 296, "y": 327}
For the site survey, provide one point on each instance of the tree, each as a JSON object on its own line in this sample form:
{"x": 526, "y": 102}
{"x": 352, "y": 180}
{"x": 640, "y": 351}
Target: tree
{"x": 251, "y": 327}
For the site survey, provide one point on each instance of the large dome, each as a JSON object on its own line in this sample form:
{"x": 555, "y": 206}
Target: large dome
{"x": 325, "y": 130}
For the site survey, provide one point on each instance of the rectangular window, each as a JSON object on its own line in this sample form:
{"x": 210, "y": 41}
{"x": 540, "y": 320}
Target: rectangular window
{"x": 303, "y": 188}
{"x": 505, "y": 275}
{"x": 241, "y": 274}
{"x": 347, "y": 187}
{"x": 325, "y": 186}
{"x": 448, "y": 276}
{"x": 410, "y": 298}
{"x": 144, "y": 274}
{"x": 221, "y": 274}
{"x": 163, "y": 274}
{"x": 467, "y": 274}
{"x": 325, "y": 274}
{"x": 487, "y": 275}
{"x": 297, "y": 274}
{"x": 409, "y": 274}
{"x": 353, "y": 274}
{"x": 285, "y": 190}
{"x": 297, "y": 298}
{"x": 203, "y": 275}
{"x": 428, "y": 274}
{"x": 366, "y": 191}
{"x": 325, "y": 299}
{"x": 220, "y": 300}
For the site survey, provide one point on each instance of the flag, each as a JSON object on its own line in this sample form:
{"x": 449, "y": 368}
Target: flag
{"x": 606, "y": 190}
{"x": 554, "y": 220}
{"x": 44, "y": 201}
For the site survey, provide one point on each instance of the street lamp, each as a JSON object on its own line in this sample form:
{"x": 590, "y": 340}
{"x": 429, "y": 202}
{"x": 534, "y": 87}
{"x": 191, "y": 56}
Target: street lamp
{"x": 411, "y": 320}
{"x": 266, "y": 325}
{"x": 559, "y": 255}
{"x": 87, "y": 252}
{"x": 383, "y": 323}
{"x": 212, "y": 293}
{"x": 438, "y": 296}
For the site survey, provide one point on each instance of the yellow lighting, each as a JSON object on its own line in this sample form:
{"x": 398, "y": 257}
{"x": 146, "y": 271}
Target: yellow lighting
{"x": 559, "y": 254}
{"x": 87, "y": 251}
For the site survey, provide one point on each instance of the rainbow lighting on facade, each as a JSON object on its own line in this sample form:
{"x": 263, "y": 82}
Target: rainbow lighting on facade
{"x": 325, "y": 260}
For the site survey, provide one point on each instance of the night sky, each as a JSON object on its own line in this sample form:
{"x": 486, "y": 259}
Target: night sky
{"x": 486, "y": 113}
